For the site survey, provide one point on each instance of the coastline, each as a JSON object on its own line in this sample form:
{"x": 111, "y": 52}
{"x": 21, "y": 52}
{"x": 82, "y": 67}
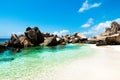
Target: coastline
{"x": 103, "y": 65}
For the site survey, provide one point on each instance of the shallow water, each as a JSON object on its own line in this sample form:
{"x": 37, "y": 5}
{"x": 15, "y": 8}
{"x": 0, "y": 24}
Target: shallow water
{"x": 40, "y": 60}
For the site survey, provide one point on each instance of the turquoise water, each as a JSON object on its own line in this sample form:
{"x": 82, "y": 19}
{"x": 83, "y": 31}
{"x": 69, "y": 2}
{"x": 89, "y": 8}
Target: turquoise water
{"x": 39, "y": 60}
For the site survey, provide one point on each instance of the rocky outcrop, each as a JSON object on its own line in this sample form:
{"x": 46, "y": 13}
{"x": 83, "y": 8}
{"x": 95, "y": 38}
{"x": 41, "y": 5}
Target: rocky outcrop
{"x": 79, "y": 38}
{"x": 34, "y": 35}
{"x": 111, "y": 36}
{"x": 113, "y": 40}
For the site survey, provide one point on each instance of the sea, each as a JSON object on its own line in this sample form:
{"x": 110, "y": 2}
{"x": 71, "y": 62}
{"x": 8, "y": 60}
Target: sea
{"x": 39, "y": 61}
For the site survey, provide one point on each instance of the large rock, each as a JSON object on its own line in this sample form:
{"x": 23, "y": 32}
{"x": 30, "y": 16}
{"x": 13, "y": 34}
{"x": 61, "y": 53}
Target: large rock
{"x": 113, "y": 40}
{"x": 111, "y": 36}
{"x": 101, "y": 43}
{"x": 66, "y": 38}
{"x": 75, "y": 40}
{"x": 2, "y": 47}
{"x": 34, "y": 35}
{"x": 24, "y": 41}
{"x": 79, "y": 38}
{"x": 14, "y": 42}
{"x": 51, "y": 41}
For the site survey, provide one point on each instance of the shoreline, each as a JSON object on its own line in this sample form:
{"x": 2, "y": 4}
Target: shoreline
{"x": 103, "y": 65}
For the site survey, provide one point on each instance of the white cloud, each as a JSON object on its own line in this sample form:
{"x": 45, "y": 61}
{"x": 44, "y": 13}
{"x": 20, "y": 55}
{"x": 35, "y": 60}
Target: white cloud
{"x": 99, "y": 28}
{"x": 87, "y": 6}
{"x": 59, "y": 33}
{"x": 88, "y": 23}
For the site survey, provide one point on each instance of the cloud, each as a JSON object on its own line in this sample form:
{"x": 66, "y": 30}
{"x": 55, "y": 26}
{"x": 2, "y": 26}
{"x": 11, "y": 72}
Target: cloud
{"x": 99, "y": 28}
{"x": 88, "y": 23}
{"x": 59, "y": 33}
{"x": 87, "y": 6}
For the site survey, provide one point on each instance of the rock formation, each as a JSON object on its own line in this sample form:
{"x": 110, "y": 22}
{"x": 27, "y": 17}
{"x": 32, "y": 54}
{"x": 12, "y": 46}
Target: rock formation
{"x": 34, "y": 37}
{"x": 75, "y": 38}
{"x": 111, "y": 36}
{"x": 51, "y": 41}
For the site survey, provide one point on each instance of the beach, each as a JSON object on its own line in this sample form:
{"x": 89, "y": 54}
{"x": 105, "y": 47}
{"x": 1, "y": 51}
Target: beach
{"x": 96, "y": 63}
{"x": 59, "y": 40}
{"x": 104, "y": 65}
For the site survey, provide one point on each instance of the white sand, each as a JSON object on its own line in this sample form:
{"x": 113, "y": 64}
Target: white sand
{"x": 105, "y": 65}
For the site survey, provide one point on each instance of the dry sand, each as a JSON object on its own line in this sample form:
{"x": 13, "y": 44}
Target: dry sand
{"x": 103, "y": 65}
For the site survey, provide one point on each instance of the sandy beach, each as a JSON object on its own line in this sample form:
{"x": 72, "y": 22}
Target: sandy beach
{"x": 103, "y": 65}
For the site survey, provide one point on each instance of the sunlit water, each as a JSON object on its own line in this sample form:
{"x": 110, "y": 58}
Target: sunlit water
{"x": 40, "y": 60}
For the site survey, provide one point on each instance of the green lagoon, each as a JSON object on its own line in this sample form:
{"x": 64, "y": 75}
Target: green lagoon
{"x": 40, "y": 61}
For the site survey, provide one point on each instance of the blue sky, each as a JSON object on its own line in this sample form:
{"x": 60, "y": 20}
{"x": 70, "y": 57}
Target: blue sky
{"x": 89, "y": 17}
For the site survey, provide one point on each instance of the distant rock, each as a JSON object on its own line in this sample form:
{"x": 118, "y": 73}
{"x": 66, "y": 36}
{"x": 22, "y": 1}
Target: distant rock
{"x": 111, "y": 36}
